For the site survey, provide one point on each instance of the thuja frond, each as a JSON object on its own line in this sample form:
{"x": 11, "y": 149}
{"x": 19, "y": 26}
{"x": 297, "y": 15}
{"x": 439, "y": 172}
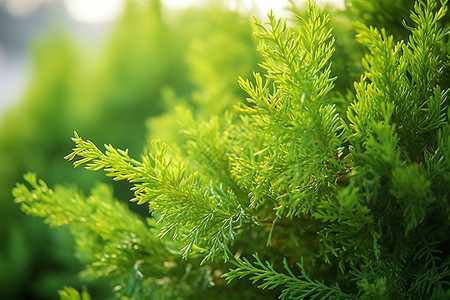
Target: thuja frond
{"x": 205, "y": 216}
{"x": 423, "y": 50}
{"x": 399, "y": 123}
{"x": 350, "y": 234}
{"x": 110, "y": 240}
{"x": 393, "y": 113}
{"x": 69, "y": 293}
{"x": 433, "y": 283}
{"x": 298, "y": 60}
{"x": 404, "y": 71}
{"x": 426, "y": 56}
{"x": 381, "y": 84}
{"x": 433, "y": 279}
{"x": 210, "y": 145}
{"x": 379, "y": 280}
{"x": 412, "y": 189}
{"x": 289, "y": 107}
{"x": 292, "y": 286}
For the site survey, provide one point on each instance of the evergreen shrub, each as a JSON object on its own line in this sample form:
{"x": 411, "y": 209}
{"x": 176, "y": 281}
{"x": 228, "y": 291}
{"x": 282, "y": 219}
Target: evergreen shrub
{"x": 284, "y": 196}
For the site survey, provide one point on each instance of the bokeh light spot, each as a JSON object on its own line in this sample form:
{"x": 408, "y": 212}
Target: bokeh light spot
{"x": 95, "y": 11}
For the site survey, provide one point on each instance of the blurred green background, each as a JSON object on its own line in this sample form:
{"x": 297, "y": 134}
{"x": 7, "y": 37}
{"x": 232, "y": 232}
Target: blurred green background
{"x": 105, "y": 79}
{"x": 120, "y": 78}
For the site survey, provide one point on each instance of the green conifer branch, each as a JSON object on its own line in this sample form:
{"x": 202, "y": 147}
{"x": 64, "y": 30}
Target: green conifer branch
{"x": 303, "y": 132}
{"x": 293, "y": 287}
{"x": 389, "y": 79}
{"x": 206, "y": 217}
{"x": 111, "y": 241}
{"x": 209, "y": 145}
{"x": 69, "y": 293}
{"x": 350, "y": 235}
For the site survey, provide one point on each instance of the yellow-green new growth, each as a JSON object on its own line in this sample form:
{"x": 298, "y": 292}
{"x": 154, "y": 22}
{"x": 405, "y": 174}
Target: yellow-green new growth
{"x": 205, "y": 218}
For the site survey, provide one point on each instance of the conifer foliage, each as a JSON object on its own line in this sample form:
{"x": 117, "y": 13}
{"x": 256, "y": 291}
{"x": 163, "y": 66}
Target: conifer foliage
{"x": 285, "y": 197}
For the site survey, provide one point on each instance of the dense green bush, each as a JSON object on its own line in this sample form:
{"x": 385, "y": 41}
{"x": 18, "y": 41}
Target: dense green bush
{"x": 307, "y": 193}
